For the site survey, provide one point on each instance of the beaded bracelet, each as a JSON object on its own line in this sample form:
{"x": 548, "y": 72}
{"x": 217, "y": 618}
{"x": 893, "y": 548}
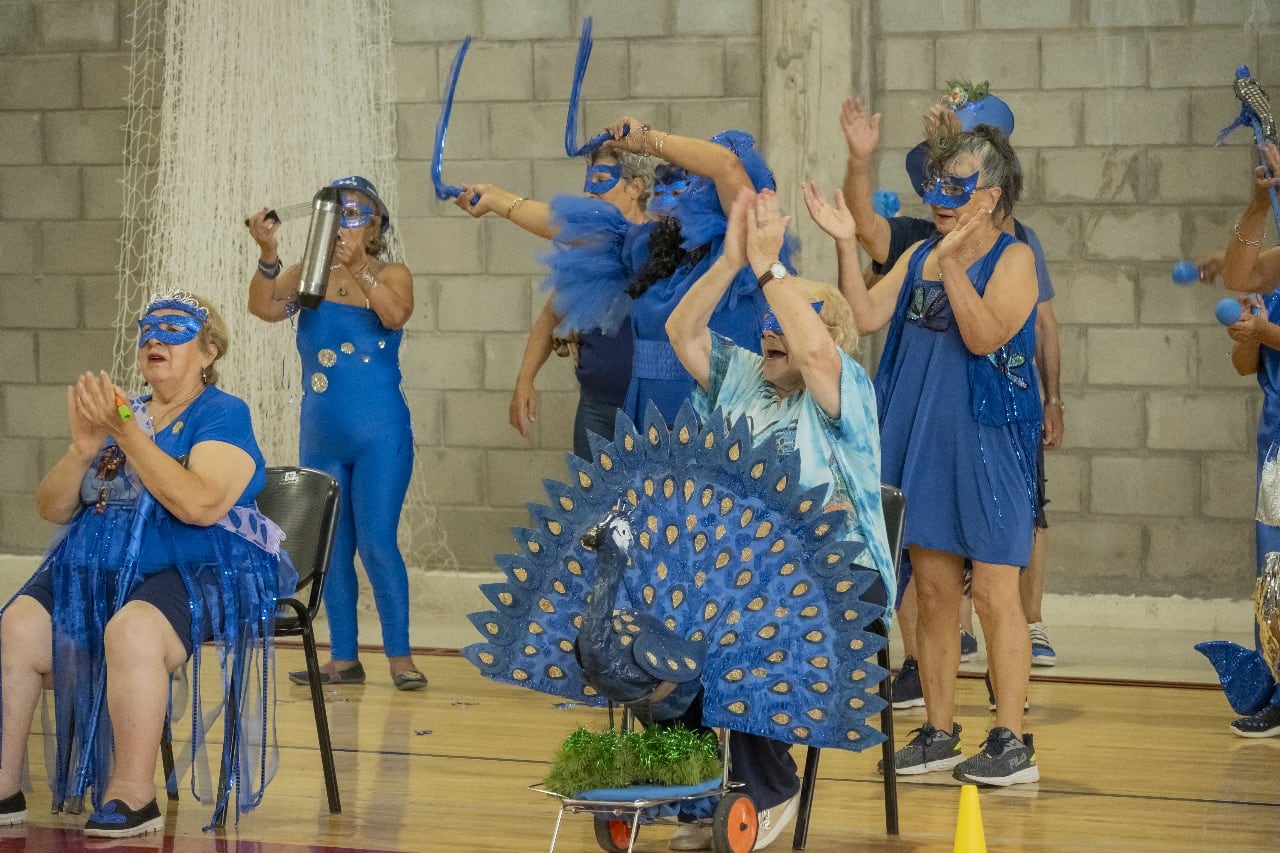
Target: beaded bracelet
{"x": 270, "y": 271}
{"x": 1056, "y": 401}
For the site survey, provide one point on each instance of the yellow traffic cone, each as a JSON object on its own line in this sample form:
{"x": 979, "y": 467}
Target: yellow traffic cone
{"x": 969, "y": 837}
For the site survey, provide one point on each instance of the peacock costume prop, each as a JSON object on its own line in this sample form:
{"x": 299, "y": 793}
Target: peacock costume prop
{"x": 705, "y": 567}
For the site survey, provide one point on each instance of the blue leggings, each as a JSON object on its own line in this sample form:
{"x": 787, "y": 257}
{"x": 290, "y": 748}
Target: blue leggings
{"x": 369, "y": 450}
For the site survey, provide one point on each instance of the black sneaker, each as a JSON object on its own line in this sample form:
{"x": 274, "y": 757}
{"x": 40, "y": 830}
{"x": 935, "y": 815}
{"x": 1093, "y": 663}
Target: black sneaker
{"x": 906, "y": 690}
{"x": 1004, "y": 760}
{"x": 13, "y": 810}
{"x": 968, "y": 646}
{"x": 1265, "y": 723}
{"x": 991, "y": 696}
{"x": 116, "y": 820}
{"x": 931, "y": 749}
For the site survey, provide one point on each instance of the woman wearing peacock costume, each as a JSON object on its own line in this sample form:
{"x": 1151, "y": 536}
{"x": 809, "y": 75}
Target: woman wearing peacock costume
{"x": 163, "y": 549}
{"x": 1251, "y": 677}
{"x": 605, "y": 269}
{"x": 960, "y": 421}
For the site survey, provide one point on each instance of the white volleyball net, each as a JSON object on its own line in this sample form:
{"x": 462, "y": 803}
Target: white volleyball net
{"x": 235, "y": 106}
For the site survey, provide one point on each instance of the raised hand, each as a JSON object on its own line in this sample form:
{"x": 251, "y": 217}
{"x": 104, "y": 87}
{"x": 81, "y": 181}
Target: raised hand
{"x": 861, "y": 128}
{"x": 833, "y": 217}
{"x": 263, "y": 232}
{"x": 765, "y": 232}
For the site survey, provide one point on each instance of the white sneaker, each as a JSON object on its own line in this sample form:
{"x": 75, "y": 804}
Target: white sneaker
{"x": 775, "y": 819}
{"x": 691, "y": 836}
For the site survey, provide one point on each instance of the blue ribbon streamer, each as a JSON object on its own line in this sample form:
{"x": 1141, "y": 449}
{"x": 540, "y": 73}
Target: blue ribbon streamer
{"x": 571, "y": 146}
{"x": 444, "y": 191}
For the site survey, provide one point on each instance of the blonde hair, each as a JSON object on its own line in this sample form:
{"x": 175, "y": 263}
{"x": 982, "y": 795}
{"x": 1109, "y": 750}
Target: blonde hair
{"x": 835, "y": 311}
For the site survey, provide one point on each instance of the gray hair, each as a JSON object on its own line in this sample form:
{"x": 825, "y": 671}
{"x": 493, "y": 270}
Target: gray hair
{"x": 633, "y": 166}
{"x": 996, "y": 159}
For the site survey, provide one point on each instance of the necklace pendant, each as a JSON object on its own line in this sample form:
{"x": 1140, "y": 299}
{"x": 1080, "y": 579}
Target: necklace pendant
{"x": 342, "y": 291}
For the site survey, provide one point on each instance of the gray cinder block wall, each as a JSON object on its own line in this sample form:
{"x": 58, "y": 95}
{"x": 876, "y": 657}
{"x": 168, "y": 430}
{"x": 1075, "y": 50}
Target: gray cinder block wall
{"x": 1117, "y": 104}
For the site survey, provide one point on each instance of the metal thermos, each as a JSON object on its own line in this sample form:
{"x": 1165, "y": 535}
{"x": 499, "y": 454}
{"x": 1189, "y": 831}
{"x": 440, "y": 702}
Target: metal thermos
{"x": 322, "y": 239}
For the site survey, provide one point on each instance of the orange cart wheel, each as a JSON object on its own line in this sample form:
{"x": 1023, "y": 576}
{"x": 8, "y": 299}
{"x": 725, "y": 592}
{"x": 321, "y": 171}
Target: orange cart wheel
{"x": 613, "y": 836}
{"x": 733, "y": 830}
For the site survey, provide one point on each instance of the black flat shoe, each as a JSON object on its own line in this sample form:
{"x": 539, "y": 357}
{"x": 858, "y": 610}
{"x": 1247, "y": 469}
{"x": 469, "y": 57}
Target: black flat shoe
{"x": 332, "y": 675}
{"x": 116, "y": 820}
{"x": 13, "y": 810}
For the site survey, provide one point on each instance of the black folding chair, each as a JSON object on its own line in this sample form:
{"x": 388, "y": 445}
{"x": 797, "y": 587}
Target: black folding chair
{"x": 895, "y": 514}
{"x": 304, "y": 503}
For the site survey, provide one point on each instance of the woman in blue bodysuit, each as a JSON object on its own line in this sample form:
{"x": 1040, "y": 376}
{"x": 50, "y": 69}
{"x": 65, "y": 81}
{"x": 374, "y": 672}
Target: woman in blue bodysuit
{"x": 162, "y": 548}
{"x": 355, "y": 421}
{"x": 960, "y": 422}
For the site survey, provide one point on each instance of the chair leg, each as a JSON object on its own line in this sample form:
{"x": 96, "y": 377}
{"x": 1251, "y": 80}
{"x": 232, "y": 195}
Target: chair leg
{"x": 886, "y": 726}
{"x": 321, "y": 714}
{"x": 166, "y": 760}
{"x": 810, "y": 780}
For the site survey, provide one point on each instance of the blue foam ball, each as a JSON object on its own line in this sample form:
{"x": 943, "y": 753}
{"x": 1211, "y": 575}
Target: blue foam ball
{"x": 1185, "y": 272}
{"x": 1228, "y": 311}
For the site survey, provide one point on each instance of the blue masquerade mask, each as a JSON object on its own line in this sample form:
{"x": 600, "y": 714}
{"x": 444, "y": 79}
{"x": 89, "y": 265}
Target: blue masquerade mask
{"x": 950, "y": 191}
{"x": 355, "y": 214}
{"x": 601, "y": 178}
{"x": 171, "y": 329}
{"x": 770, "y": 323}
{"x": 666, "y": 197}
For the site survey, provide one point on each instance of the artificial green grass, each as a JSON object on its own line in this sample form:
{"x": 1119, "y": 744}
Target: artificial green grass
{"x": 617, "y": 759}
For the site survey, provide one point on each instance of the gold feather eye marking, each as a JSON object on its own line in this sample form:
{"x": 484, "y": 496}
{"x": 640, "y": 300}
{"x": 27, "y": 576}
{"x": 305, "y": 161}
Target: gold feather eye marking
{"x": 810, "y": 611}
{"x": 781, "y": 719}
{"x": 534, "y": 547}
{"x": 720, "y": 532}
{"x": 759, "y": 672}
{"x": 668, "y": 487}
{"x": 651, "y": 658}
{"x": 577, "y": 622}
{"x": 654, "y": 438}
{"x": 633, "y": 497}
{"x": 756, "y": 470}
{"x": 858, "y": 675}
{"x": 588, "y": 690}
{"x": 491, "y": 628}
{"x": 781, "y": 485}
{"x": 677, "y": 597}
{"x": 652, "y": 523}
{"x": 709, "y": 611}
{"x": 555, "y": 527}
{"x": 519, "y": 675}
{"x": 648, "y": 486}
{"x": 536, "y": 628}
{"x": 734, "y": 618}
{"x": 629, "y": 442}
{"x": 799, "y": 589}
{"x": 756, "y": 604}
{"x": 777, "y": 546}
{"x": 735, "y": 451}
{"x": 820, "y": 687}
{"x": 673, "y": 533}
{"x": 777, "y": 656}
{"x": 747, "y": 555}
{"x": 736, "y": 707}
{"x": 814, "y": 636}
{"x": 856, "y": 704}
{"x": 566, "y": 646}
{"x": 707, "y": 495}
{"x": 820, "y": 662}
{"x": 673, "y": 665}
{"x": 584, "y": 479}
{"x": 747, "y": 515}
{"x": 781, "y": 688}
{"x": 699, "y": 542}
{"x": 505, "y": 598}
{"x": 821, "y": 529}
{"x": 670, "y": 622}
{"x": 832, "y": 559}
{"x": 781, "y": 612}
{"x": 626, "y": 639}
{"x": 816, "y": 714}
{"x": 606, "y": 461}
{"x": 643, "y": 539}
{"x": 768, "y": 632}
{"x": 486, "y": 658}
{"x": 697, "y": 635}
{"x": 690, "y": 522}
{"x": 555, "y": 671}
{"x": 690, "y": 663}
{"x": 683, "y": 435}
{"x": 662, "y": 571}
{"x": 744, "y": 578}
{"x": 709, "y": 440}
{"x": 545, "y": 605}
{"x": 764, "y": 528}
{"x": 530, "y": 651}
{"x": 558, "y": 586}
{"x": 699, "y": 579}
{"x": 722, "y": 560}
{"x": 856, "y": 645}
{"x": 729, "y": 639}
{"x": 520, "y": 573}
{"x": 566, "y": 503}
{"x": 850, "y": 615}
{"x": 687, "y": 490}
{"x": 844, "y": 586}
{"x": 726, "y": 504}
{"x": 650, "y": 595}
{"x": 805, "y": 506}
{"x": 787, "y": 569}
{"x": 574, "y": 567}
{"x": 801, "y": 732}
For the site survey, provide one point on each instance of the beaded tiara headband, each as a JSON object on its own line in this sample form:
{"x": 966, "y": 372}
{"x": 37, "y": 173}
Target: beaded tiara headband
{"x": 179, "y": 300}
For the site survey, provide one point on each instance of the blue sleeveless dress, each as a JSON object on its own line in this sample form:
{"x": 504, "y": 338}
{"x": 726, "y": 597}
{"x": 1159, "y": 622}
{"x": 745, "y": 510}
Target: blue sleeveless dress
{"x": 959, "y": 433}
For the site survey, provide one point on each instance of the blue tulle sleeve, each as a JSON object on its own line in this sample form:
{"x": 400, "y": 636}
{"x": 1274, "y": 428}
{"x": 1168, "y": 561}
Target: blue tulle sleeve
{"x": 598, "y": 252}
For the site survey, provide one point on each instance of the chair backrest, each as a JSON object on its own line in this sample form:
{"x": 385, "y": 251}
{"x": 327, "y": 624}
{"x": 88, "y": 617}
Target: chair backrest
{"x": 895, "y": 521}
{"x": 304, "y": 502}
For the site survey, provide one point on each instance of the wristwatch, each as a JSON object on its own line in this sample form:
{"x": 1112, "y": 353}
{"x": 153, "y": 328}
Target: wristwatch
{"x": 775, "y": 271}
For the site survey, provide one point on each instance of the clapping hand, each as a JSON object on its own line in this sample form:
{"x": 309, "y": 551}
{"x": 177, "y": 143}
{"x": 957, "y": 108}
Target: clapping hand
{"x": 833, "y": 217}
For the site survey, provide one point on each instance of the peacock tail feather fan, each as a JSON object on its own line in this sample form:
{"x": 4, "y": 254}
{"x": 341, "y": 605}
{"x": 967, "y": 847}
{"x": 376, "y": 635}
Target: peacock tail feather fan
{"x": 730, "y": 553}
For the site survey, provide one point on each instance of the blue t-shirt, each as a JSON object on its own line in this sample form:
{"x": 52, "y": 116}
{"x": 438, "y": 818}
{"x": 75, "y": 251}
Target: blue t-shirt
{"x": 840, "y": 453}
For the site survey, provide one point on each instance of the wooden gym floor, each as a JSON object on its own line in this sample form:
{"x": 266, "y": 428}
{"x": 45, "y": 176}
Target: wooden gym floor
{"x": 1124, "y": 767}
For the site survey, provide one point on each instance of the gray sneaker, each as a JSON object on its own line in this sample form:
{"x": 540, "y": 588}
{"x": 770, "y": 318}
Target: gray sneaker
{"x": 1004, "y": 760}
{"x": 931, "y": 749}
